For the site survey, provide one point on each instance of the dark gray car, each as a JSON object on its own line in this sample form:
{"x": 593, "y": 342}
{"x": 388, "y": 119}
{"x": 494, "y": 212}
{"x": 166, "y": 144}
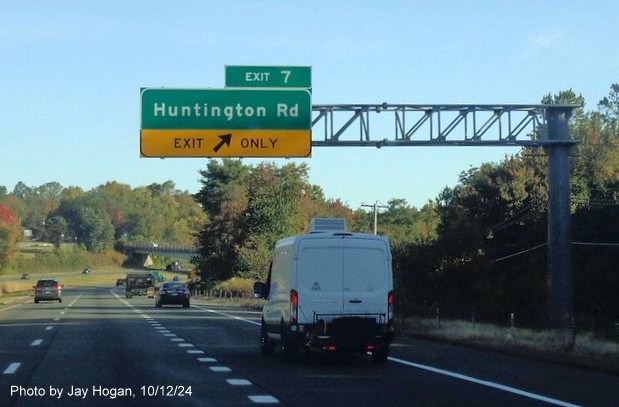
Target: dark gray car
{"x": 47, "y": 289}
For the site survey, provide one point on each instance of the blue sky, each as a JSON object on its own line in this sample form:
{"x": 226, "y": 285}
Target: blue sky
{"x": 71, "y": 73}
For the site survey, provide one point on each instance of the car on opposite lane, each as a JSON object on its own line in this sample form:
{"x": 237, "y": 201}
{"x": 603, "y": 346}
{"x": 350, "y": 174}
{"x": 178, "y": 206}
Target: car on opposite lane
{"x": 47, "y": 289}
{"x": 172, "y": 292}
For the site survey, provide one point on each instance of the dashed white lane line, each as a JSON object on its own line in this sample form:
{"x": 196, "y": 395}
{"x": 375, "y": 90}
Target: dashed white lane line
{"x": 12, "y": 368}
{"x": 485, "y": 383}
{"x": 37, "y": 342}
{"x": 263, "y": 399}
{"x": 257, "y": 399}
{"x": 239, "y": 382}
{"x": 221, "y": 369}
{"x": 49, "y": 328}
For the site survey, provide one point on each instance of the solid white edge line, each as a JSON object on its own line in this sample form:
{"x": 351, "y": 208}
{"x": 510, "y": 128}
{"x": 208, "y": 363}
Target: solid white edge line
{"x": 227, "y": 315}
{"x": 441, "y": 371}
{"x": 485, "y": 383}
{"x": 14, "y": 306}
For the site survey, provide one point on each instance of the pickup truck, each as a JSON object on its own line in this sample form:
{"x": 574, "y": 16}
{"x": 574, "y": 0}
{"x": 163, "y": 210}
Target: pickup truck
{"x": 137, "y": 283}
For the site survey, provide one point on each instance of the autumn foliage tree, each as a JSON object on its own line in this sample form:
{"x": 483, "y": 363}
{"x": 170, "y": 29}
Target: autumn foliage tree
{"x": 10, "y": 235}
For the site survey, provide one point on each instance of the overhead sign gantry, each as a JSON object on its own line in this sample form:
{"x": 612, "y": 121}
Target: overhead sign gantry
{"x": 251, "y": 118}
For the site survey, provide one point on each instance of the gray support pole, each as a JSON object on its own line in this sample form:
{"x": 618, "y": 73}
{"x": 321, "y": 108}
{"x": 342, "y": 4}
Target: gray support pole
{"x": 559, "y": 221}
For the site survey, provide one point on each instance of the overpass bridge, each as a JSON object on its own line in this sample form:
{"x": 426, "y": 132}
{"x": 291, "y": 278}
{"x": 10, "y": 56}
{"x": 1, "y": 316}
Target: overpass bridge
{"x": 142, "y": 251}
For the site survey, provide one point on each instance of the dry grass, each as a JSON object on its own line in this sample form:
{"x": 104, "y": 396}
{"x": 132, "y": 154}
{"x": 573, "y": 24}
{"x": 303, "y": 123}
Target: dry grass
{"x": 10, "y": 287}
{"x": 587, "y": 351}
{"x": 237, "y": 286}
{"x": 67, "y": 279}
{"x": 99, "y": 277}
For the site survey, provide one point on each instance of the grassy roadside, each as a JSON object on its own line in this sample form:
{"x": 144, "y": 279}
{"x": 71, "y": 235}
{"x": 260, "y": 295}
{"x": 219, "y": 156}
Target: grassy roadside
{"x": 9, "y": 290}
{"x": 588, "y": 351}
{"x": 99, "y": 277}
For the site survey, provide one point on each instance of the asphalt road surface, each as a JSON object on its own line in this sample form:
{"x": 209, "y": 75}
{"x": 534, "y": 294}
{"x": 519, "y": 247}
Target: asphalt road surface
{"x": 97, "y": 348}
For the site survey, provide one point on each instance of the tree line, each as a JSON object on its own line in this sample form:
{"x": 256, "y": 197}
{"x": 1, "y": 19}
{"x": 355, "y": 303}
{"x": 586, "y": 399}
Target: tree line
{"x": 97, "y": 218}
{"x": 477, "y": 251}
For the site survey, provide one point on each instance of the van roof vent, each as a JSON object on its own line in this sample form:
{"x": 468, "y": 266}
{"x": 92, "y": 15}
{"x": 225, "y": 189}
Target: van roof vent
{"x": 328, "y": 225}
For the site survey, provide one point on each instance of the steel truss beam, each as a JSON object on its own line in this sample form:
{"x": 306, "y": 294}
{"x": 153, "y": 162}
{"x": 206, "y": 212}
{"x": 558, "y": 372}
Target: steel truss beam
{"x": 434, "y": 125}
{"x": 513, "y": 125}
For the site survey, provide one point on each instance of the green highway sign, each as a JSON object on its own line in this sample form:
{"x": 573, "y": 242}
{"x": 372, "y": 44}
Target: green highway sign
{"x": 164, "y": 108}
{"x": 269, "y": 76}
{"x": 225, "y": 123}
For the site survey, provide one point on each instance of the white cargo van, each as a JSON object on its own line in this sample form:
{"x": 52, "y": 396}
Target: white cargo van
{"x": 329, "y": 290}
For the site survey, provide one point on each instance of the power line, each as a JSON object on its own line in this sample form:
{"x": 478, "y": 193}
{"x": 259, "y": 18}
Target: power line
{"x": 603, "y": 244}
{"x": 608, "y": 244}
{"x": 519, "y": 253}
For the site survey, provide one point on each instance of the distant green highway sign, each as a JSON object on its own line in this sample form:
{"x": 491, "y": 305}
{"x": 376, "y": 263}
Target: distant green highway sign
{"x": 269, "y": 76}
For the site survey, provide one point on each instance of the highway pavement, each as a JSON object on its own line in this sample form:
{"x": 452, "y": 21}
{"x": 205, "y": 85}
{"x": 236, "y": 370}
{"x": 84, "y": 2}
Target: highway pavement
{"x": 98, "y": 348}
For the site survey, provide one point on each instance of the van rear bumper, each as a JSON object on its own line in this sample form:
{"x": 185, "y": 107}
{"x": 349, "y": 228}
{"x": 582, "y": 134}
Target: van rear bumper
{"x": 344, "y": 334}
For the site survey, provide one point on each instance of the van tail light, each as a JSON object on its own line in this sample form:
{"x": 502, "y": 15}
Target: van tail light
{"x": 390, "y": 302}
{"x": 294, "y": 306}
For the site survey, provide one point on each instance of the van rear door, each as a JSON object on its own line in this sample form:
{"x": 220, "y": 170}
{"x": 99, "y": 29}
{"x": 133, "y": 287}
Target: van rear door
{"x": 366, "y": 274}
{"x": 320, "y": 279}
{"x": 342, "y": 275}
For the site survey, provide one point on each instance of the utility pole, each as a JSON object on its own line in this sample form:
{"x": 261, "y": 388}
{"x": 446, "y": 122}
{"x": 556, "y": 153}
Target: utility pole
{"x": 375, "y": 206}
